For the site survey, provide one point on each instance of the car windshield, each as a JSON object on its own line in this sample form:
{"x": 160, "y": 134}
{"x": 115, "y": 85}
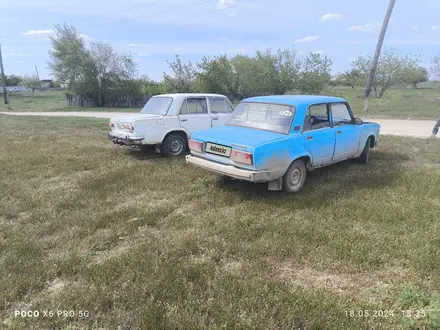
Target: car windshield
{"x": 265, "y": 116}
{"x": 157, "y": 106}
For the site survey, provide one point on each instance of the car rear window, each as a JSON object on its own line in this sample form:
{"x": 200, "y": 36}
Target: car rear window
{"x": 157, "y": 105}
{"x": 265, "y": 116}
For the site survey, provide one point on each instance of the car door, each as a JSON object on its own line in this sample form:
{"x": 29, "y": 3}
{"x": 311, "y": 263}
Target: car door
{"x": 220, "y": 109}
{"x": 319, "y": 136}
{"x": 194, "y": 114}
{"x": 346, "y": 131}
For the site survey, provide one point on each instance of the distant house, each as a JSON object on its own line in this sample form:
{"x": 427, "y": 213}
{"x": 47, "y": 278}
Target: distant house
{"x": 46, "y": 83}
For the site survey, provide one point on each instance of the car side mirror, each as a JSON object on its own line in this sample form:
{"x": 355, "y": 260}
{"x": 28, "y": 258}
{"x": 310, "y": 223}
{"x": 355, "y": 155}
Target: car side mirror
{"x": 358, "y": 121}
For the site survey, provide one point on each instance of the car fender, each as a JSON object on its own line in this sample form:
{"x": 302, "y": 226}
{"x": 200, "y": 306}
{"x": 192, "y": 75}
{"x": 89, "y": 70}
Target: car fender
{"x": 279, "y": 161}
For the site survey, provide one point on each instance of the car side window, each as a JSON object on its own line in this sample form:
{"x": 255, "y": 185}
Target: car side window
{"x": 184, "y": 108}
{"x": 197, "y": 105}
{"x": 340, "y": 114}
{"x": 229, "y": 108}
{"x": 316, "y": 117}
{"x": 217, "y": 104}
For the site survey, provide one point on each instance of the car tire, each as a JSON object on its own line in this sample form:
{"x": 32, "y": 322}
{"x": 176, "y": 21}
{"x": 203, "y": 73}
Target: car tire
{"x": 174, "y": 145}
{"x": 295, "y": 177}
{"x": 363, "y": 158}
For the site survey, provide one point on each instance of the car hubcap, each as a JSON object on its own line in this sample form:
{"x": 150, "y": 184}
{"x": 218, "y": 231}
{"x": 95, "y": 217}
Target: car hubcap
{"x": 295, "y": 177}
{"x": 176, "y": 146}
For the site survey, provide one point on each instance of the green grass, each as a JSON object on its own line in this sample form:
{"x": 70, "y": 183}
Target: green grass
{"x": 49, "y": 101}
{"x": 142, "y": 242}
{"x": 396, "y": 103}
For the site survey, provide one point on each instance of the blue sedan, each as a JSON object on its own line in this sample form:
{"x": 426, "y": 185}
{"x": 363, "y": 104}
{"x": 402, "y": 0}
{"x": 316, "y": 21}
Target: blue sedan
{"x": 277, "y": 139}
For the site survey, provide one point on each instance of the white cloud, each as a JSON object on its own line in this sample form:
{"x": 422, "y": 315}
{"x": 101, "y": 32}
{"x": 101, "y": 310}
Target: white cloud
{"x": 332, "y": 17}
{"x": 222, "y": 4}
{"x": 307, "y": 39}
{"x": 86, "y": 37}
{"x": 16, "y": 55}
{"x": 436, "y": 27}
{"x": 363, "y": 27}
{"x": 142, "y": 46}
{"x": 37, "y": 32}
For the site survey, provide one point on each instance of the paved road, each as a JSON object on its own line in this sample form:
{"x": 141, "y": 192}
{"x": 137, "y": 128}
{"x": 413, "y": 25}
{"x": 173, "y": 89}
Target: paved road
{"x": 416, "y": 128}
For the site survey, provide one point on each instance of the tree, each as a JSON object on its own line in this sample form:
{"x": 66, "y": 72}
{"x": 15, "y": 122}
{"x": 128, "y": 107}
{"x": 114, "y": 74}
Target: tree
{"x": 68, "y": 55}
{"x": 32, "y": 82}
{"x": 183, "y": 77}
{"x": 266, "y": 72}
{"x": 415, "y": 76}
{"x": 54, "y": 84}
{"x": 13, "y": 80}
{"x": 315, "y": 74}
{"x": 435, "y": 67}
{"x": 216, "y": 75}
{"x": 350, "y": 78}
{"x": 288, "y": 68}
{"x": 392, "y": 70}
{"x": 98, "y": 76}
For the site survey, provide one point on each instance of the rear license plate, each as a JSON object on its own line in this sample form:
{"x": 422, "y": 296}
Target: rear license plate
{"x": 218, "y": 149}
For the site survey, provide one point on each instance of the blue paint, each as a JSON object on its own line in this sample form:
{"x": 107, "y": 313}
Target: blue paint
{"x": 271, "y": 150}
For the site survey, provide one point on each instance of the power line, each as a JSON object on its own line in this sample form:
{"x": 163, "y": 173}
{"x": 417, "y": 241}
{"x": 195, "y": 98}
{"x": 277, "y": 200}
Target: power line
{"x": 172, "y": 9}
{"x": 123, "y": 10}
{"x": 154, "y": 14}
{"x": 181, "y": 19}
{"x": 158, "y": 13}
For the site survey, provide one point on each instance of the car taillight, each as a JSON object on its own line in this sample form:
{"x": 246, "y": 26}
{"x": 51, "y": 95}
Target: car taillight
{"x": 242, "y": 157}
{"x": 129, "y": 127}
{"x": 195, "y": 145}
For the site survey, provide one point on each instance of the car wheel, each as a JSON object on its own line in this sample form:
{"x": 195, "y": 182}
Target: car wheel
{"x": 363, "y": 158}
{"x": 295, "y": 177}
{"x": 174, "y": 145}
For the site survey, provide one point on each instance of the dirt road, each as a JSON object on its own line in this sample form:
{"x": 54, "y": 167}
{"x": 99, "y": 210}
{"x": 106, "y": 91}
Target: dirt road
{"x": 416, "y": 128}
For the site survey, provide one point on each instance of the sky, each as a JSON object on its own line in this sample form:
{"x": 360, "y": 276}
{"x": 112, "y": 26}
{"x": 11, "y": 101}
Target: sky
{"x": 154, "y": 30}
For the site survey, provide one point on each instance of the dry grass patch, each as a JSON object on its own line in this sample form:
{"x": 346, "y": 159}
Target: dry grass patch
{"x": 143, "y": 242}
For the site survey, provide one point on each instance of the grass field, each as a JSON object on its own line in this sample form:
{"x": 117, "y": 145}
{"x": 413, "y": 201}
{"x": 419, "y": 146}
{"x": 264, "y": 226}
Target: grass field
{"x": 399, "y": 103}
{"x": 142, "y": 242}
{"x": 49, "y": 101}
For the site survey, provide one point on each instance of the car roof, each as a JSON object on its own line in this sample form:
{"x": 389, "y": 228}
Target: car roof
{"x": 295, "y": 100}
{"x": 178, "y": 95}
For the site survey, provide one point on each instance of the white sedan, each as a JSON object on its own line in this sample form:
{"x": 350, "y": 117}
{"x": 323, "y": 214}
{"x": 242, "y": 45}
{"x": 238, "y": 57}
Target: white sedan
{"x": 166, "y": 121}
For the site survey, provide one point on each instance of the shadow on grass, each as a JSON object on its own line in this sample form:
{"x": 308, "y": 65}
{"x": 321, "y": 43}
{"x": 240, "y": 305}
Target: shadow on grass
{"x": 333, "y": 181}
{"x": 143, "y": 153}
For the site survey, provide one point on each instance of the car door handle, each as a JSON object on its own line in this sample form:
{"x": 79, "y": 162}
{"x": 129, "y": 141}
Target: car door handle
{"x": 338, "y": 132}
{"x": 215, "y": 118}
{"x": 310, "y": 138}
{"x": 183, "y": 119}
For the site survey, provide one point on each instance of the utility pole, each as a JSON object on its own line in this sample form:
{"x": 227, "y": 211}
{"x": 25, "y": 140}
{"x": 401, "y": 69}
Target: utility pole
{"x": 5, "y": 91}
{"x": 377, "y": 53}
{"x": 36, "y": 70}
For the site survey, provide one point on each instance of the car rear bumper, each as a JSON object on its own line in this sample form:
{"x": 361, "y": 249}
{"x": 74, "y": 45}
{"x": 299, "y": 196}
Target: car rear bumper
{"x": 124, "y": 140}
{"x": 229, "y": 170}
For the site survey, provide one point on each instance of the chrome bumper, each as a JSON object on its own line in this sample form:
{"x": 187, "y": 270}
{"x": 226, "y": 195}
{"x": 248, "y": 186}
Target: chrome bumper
{"x": 231, "y": 171}
{"x": 127, "y": 141}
